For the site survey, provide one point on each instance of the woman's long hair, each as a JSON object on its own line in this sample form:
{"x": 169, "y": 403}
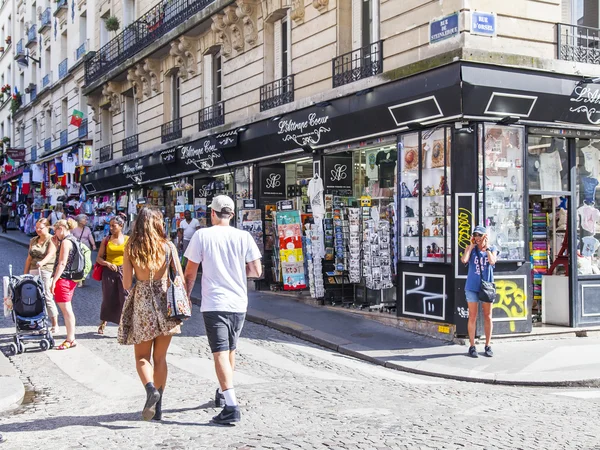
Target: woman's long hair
{"x": 146, "y": 245}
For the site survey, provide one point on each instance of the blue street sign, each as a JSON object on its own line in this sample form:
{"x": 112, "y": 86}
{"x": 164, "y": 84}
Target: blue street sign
{"x": 483, "y": 23}
{"x": 443, "y": 28}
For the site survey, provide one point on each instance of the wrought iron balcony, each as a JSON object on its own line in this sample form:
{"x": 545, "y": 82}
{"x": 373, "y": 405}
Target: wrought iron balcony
{"x": 80, "y": 52}
{"x": 578, "y": 43}
{"x": 130, "y": 145}
{"x": 63, "y": 68}
{"x": 32, "y": 36}
{"x": 105, "y": 153}
{"x": 64, "y": 137}
{"x": 211, "y": 116}
{"x": 170, "y": 131}
{"x": 277, "y": 93}
{"x": 358, "y": 64}
{"x": 46, "y": 80}
{"x": 46, "y": 22}
{"x": 144, "y": 31}
{"x": 47, "y": 145}
{"x": 33, "y": 153}
{"x": 83, "y": 129}
{"x": 61, "y": 5}
{"x": 19, "y": 50}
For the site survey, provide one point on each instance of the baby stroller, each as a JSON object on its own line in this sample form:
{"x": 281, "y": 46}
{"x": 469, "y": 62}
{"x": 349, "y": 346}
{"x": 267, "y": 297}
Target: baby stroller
{"x": 29, "y": 312}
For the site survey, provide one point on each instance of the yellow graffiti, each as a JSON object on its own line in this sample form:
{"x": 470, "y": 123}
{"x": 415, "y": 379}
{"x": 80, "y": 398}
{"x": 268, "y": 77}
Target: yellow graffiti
{"x": 464, "y": 228}
{"x": 511, "y": 300}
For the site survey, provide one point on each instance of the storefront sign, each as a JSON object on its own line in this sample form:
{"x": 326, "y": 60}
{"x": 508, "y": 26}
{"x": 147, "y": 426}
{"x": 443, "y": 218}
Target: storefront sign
{"x": 13, "y": 174}
{"x": 134, "y": 171}
{"x": 272, "y": 181}
{"x": 169, "y": 156}
{"x": 201, "y": 188}
{"x": 443, "y": 28}
{"x": 202, "y": 154}
{"x": 337, "y": 174}
{"x": 86, "y": 155}
{"x": 18, "y": 154}
{"x": 228, "y": 139}
{"x": 305, "y": 132}
{"x": 483, "y": 23}
{"x": 584, "y": 105}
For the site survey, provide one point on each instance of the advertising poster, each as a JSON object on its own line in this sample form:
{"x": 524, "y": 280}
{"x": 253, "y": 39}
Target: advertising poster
{"x": 290, "y": 250}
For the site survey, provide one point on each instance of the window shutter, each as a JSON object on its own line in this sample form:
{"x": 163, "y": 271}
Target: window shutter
{"x": 208, "y": 80}
{"x": 356, "y": 24}
{"x": 277, "y": 50}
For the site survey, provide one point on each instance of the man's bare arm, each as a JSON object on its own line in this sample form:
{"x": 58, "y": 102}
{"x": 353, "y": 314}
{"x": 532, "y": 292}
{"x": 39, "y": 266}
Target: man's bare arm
{"x": 191, "y": 272}
{"x": 254, "y": 269}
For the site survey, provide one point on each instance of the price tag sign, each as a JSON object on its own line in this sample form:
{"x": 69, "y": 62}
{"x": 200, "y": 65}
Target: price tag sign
{"x": 249, "y": 204}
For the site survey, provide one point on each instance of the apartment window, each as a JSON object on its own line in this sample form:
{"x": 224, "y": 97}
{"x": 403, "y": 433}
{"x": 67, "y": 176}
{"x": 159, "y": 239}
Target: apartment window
{"x": 106, "y": 127}
{"x": 128, "y": 12}
{"x": 130, "y": 115}
{"x": 22, "y": 136}
{"x": 48, "y": 124}
{"x": 175, "y": 96}
{"x": 366, "y": 23}
{"x": 285, "y": 51}
{"x": 64, "y": 111}
{"x": 581, "y": 12}
{"x": 83, "y": 31}
{"x": 34, "y": 132}
{"x": 217, "y": 74}
{"x": 47, "y": 63}
{"x": 103, "y": 31}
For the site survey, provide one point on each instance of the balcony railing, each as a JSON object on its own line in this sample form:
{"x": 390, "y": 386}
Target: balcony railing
{"x": 578, "y": 43}
{"x": 63, "y": 67}
{"x": 32, "y": 35}
{"x": 147, "y": 29}
{"x": 80, "y": 52}
{"x": 19, "y": 49}
{"x": 105, "y": 153}
{"x": 83, "y": 129}
{"x": 277, "y": 93}
{"x": 46, "y": 21}
{"x": 60, "y": 6}
{"x": 64, "y": 137}
{"x": 170, "y": 131}
{"x": 211, "y": 116}
{"x": 130, "y": 145}
{"x": 46, "y": 80}
{"x": 33, "y": 153}
{"x": 358, "y": 64}
{"x": 47, "y": 145}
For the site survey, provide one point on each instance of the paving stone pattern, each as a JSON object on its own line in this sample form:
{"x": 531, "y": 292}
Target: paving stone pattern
{"x": 293, "y": 395}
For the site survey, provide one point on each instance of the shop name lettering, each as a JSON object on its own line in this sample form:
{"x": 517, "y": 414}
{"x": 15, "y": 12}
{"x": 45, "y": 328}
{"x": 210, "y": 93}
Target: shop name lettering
{"x": 303, "y": 133}
{"x": 273, "y": 181}
{"x": 590, "y": 99}
{"x": 135, "y": 172}
{"x": 203, "y": 158}
{"x": 338, "y": 173}
{"x": 203, "y": 191}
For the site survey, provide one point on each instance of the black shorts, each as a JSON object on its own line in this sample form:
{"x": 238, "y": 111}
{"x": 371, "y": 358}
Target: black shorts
{"x": 223, "y": 329}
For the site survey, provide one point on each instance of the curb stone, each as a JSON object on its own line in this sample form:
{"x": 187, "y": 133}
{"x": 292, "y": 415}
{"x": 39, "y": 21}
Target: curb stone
{"x": 12, "y": 390}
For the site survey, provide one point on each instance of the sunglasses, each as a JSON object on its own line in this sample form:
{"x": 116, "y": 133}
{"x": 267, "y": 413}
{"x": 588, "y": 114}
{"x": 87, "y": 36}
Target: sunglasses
{"x": 477, "y": 235}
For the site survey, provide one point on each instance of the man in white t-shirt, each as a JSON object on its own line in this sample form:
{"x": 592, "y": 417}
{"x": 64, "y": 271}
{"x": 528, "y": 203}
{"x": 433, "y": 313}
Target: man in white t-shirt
{"x": 187, "y": 228}
{"x": 228, "y": 256}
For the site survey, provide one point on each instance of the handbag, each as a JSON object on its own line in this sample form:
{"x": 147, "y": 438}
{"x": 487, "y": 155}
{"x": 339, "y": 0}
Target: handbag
{"x": 487, "y": 290}
{"x": 98, "y": 269}
{"x": 178, "y": 304}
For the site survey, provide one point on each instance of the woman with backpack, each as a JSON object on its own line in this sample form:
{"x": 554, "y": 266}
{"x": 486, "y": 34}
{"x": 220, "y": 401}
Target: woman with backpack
{"x": 84, "y": 235}
{"x": 110, "y": 255}
{"x": 62, "y": 285}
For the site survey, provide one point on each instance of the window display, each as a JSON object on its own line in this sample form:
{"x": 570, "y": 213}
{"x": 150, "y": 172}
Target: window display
{"x": 587, "y": 201}
{"x": 501, "y": 203}
{"x": 548, "y": 163}
{"x": 425, "y": 196}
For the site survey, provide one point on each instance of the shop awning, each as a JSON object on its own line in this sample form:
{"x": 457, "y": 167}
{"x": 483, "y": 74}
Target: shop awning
{"x": 13, "y": 174}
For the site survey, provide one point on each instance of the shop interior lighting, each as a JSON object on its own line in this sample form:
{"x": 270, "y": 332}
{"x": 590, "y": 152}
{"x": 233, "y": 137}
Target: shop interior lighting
{"x": 508, "y": 120}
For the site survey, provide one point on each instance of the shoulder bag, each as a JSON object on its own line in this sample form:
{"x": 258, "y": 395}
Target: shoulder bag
{"x": 178, "y": 304}
{"x": 98, "y": 269}
{"x": 487, "y": 290}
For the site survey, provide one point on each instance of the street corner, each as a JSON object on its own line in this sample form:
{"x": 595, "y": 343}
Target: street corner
{"x": 12, "y": 390}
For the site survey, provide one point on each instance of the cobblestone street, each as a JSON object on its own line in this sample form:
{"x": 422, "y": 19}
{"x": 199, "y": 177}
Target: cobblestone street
{"x": 292, "y": 394}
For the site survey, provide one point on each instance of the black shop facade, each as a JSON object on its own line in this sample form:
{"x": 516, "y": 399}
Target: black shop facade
{"x": 415, "y": 164}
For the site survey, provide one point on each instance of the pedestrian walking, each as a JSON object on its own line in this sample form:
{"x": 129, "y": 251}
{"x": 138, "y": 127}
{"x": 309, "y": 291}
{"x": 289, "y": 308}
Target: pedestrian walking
{"x": 481, "y": 259}
{"x": 110, "y": 256}
{"x": 57, "y": 214}
{"x": 187, "y": 228}
{"x": 228, "y": 256}
{"x": 63, "y": 286}
{"x": 84, "y": 234}
{"x": 145, "y": 323}
{"x": 40, "y": 261}
{"x": 109, "y": 214}
{"x": 4, "y": 214}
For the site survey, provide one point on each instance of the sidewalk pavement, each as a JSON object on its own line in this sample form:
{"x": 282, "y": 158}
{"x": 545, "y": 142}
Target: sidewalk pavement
{"x": 550, "y": 356}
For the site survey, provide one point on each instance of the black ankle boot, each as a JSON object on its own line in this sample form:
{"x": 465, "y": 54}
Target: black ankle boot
{"x": 152, "y": 398}
{"x": 158, "y": 413}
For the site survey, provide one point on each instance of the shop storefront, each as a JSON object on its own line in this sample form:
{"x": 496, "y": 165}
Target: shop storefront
{"x": 406, "y": 170}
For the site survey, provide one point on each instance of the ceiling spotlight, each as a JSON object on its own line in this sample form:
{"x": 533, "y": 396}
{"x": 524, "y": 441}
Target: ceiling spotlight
{"x": 242, "y": 129}
{"x": 364, "y": 91}
{"x": 414, "y": 125}
{"x": 323, "y": 104}
{"x": 276, "y": 118}
{"x": 508, "y": 120}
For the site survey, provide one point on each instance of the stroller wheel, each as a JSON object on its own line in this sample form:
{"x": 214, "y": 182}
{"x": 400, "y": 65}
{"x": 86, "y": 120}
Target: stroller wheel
{"x": 20, "y": 347}
{"x": 44, "y": 344}
{"x": 13, "y": 348}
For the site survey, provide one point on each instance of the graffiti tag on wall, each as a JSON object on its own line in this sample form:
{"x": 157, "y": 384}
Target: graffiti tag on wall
{"x": 511, "y": 301}
{"x": 465, "y": 203}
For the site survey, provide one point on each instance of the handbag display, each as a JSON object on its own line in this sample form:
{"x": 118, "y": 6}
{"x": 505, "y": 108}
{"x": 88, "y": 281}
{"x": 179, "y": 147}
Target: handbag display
{"x": 178, "y": 304}
{"x": 98, "y": 269}
{"x": 487, "y": 290}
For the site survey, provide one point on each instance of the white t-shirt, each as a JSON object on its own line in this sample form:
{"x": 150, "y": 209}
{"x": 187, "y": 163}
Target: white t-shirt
{"x": 189, "y": 228}
{"x": 55, "y": 217}
{"x": 550, "y": 167}
{"x": 69, "y": 161}
{"x": 37, "y": 174}
{"x": 315, "y": 193}
{"x": 226, "y": 251}
{"x": 54, "y": 195}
